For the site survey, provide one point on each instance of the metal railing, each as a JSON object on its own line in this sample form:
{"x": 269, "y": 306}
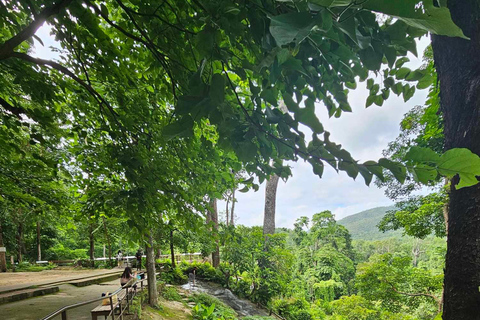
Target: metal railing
{"x": 63, "y": 311}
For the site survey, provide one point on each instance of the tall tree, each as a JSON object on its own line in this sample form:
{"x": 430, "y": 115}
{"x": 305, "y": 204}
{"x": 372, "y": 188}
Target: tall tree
{"x": 151, "y": 277}
{"x": 270, "y": 205}
{"x": 39, "y": 244}
{"x": 213, "y": 219}
{"x": 458, "y": 65}
{"x": 3, "y": 255}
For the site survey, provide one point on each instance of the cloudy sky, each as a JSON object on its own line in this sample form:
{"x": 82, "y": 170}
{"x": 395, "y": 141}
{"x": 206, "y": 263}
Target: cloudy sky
{"x": 364, "y": 133}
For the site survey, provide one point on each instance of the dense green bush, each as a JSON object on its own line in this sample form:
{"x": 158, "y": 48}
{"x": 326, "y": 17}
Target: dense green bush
{"x": 28, "y": 267}
{"x": 170, "y": 275}
{"x": 204, "y": 271}
{"x": 292, "y": 308}
{"x": 60, "y": 252}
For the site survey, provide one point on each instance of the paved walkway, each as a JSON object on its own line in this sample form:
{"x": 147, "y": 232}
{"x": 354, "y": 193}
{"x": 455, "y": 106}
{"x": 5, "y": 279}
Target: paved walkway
{"x": 38, "y": 307}
{"x": 21, "y": 280}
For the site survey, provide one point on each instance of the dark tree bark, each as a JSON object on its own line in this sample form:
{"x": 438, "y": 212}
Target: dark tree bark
{"x": 39, "y": 244}
{"x": 172, "y": 249}
{"x": 92, "y": 245}
{"x": 3, "y": 255}
{"x": 458, "y": 66}
{"x": 270, "y": 197}
{"x": 151, "y": 280}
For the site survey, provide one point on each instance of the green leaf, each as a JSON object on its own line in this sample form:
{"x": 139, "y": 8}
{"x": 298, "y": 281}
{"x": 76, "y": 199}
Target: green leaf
{"x": 307, "y": 116}
{"x": 423, "y": 15}
{"x": 374, "y": 168}
{"x": 350, "y": 168}
{"x": 422, "y": 155}
{"x": 371, "y": 58}
{"x": 367, "y": 175}
{"x": 270, "y": 95}
{"x": 291, "y": 27}
{"x": 408, "y": 92}
{"x": 317, "y": 166}
{"x": 217, "y": 88}
{"x": 402, "y": 73}
{"x": 180, "y": 128}
{"x": 460, "y": 161}
{"x": 424, "y": 173}
{"x": 397, "y": 169}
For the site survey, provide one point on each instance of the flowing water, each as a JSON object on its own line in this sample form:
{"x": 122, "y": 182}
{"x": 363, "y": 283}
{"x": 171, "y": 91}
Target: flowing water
{"x": 241, "y": 306}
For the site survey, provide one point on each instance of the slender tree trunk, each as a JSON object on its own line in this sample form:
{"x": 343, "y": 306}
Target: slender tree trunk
{"x": 458, "y": 66}
{"x": 19, "y": 242}
{"x": 152, "y": 280}
{"x": 39, "y": 245}
{"x": 226, "y": 209}
{"x": 213, "y": 214}
{"x": 92, "y": 245}
{"x": 172, "y": 250}
{"x": 3, "y": 255}
{"x": 109, "y": 242}
{"x": 232, "y": 214}
{"x": 270, "y": 197}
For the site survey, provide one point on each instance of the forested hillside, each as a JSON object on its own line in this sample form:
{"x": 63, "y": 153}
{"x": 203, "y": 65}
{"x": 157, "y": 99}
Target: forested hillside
{"x": 363, "y": 225}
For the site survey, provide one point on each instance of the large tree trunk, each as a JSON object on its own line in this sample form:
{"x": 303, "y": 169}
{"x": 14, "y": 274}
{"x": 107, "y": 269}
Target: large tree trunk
{"x": 92, "y": 245}
{"x": 232, "y": 214}
{"x": 270, "y": 196}
{"x": 458, "y": 66}
{"x": 152, "y": 280}
{"x": 172, "y": 249}
{"x": 3, "y": 255}
{"x": 213, "y": 217}
{"x": 39, "y": 244}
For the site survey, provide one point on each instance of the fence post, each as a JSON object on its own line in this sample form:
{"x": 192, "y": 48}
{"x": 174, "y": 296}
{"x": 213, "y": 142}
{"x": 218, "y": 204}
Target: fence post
{"x": 111, "y": 307}
{"x": 128, "y": 302}
{"x": 64, "y": 315}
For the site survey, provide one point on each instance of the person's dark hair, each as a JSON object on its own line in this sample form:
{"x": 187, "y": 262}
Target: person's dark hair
{"x": 126, "y": 273}
{"x": 119, "y": 251}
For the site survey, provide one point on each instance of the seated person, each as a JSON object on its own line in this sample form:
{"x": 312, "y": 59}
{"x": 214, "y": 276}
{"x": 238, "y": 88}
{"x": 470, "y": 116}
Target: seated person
{"x": 127, "y": 276}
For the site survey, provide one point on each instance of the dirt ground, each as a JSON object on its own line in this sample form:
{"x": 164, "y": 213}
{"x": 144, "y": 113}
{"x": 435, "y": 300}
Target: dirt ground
{"x": 12, "y": 279}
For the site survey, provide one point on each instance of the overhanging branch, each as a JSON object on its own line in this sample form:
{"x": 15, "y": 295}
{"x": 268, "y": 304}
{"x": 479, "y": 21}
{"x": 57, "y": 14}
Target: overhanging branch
{"x": 6, "y": 49}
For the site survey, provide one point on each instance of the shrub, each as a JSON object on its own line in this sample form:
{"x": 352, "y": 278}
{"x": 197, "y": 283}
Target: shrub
{"x": 292, "y": 309}
{"x": 171, "y": 294}
{"x": 220, "y": 309}
{"x": 204, "y": 271}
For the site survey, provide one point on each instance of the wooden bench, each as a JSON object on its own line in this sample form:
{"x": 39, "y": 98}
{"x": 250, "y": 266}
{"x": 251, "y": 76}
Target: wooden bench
{"x": 102, "y": 310}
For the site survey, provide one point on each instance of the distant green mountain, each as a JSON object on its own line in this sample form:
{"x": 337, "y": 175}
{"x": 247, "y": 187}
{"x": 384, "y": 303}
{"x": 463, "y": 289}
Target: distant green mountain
{"x": 363, "y": 225}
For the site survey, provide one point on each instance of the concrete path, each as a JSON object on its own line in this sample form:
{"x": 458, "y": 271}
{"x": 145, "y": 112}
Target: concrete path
{"x": 38, "y": 307}
{"x": 22, "y": 280}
